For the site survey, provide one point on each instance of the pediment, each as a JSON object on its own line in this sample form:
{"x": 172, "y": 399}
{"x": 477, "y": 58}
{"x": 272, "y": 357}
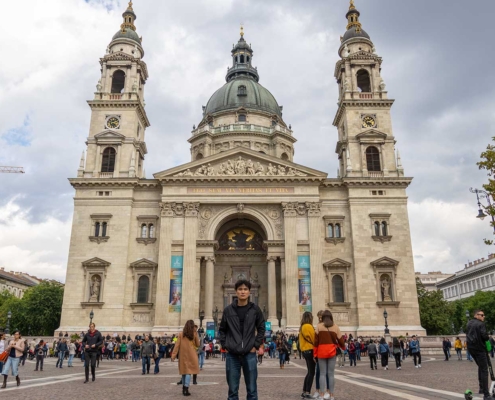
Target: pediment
{"x": 144, "y": 263}
{"x": 240, "y": 163}
{"x": 371, "y": 134}
{"x": 385, "y": 262}
{"x": 337, "y": 263}
{"x": 119, "y": 56}
{"x": 109, "y": 134}
{"x": 95, "y": 262}
{"x": 364, "y": 55}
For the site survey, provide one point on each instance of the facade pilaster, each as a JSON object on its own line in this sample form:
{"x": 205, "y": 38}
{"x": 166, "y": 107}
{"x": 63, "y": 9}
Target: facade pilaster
{"x": 272, "y": 291}
{"x": 189, "y": 291}
{"x": 291, "y": 274}
{"x": 283, "y": 280}
{"x": 209, "y": 287}
{"x": 315, "y": 257}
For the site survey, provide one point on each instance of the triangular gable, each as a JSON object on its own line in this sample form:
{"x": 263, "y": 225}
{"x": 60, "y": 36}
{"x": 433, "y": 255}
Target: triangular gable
{"x": 109, "y": 134}
{"x": 240, "y": 162}
{"x": 119, "y": 56}
{"x": 385, "y": 262}
{"x": 371, "y": 134}
{"x": 337, "y": 263}
{"x": 95, "y": 262}
{"x": 143, "y": 262}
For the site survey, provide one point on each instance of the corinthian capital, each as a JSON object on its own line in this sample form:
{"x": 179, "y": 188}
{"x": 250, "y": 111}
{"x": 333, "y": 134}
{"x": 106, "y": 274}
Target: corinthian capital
{"x": 166, "y": 210}
{"x": 191, "y": 209}
{"x": 290, "y": 209}
{"x": 314, "y": 209}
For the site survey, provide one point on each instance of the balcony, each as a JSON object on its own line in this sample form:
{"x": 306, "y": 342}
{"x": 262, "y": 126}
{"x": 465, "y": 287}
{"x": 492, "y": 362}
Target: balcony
{"x": 375, "y": 174}
{"x": 106, "y": 174}
{"x": 366, "y": 96}
{"x": 242, "y": 128}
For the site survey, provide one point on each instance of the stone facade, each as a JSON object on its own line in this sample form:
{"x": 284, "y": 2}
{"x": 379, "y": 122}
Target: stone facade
{"x": 16, "y": 283}
{"x": 430, "y": 279}
{"x": 149, "y": 254}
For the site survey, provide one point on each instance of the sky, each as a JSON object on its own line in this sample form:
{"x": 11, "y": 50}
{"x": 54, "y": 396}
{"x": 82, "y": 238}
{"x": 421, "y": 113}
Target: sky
{"x": 437, "y": 56}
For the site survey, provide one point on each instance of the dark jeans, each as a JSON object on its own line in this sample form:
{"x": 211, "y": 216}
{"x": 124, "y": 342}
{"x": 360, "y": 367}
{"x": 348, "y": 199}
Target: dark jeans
{"x": 417, "y": 355}
{"x": 39, "y": 362}
{"x": 281, "y": 357}
{"x": 157, "y": 362}
{"x": 384, "y": 359}
{"x": 146, "y": 360}
{"x": 372, "y": 360}
{"x": 90, "y": 358}
{"x": 446, "y": 352}
{"x": 352, "y": 358}
{"x": 480, "y": 358}
{"x": 310, "y": 375}
{"x": 249, "y": 368}
{"x": 358, "y": 354}
{"x": 61, "y": 355}
{"x": 397, "y": 359}
{"x": 459, "y": 354}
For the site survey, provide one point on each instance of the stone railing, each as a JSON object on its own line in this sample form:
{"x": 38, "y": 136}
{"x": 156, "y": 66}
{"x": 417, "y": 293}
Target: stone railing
{"x": 242, "y": 128}
{"x": 106, "y": 174}
{"x": 375, "y": 174}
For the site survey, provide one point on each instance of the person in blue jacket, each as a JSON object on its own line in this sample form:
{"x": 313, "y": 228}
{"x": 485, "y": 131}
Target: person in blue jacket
{"x": 416, "y": 351}
{"x": 384, "y": 352}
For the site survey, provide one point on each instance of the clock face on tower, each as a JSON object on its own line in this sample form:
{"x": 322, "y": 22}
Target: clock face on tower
{"x": 368, "y": 121}
{"x": 113, "y": 123}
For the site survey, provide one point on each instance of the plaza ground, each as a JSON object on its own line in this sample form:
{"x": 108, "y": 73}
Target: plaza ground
{"x": 436, "y": 379}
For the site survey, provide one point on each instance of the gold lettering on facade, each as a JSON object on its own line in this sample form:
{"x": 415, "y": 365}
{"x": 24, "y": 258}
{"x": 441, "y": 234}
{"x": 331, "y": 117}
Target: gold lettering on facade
{"x": 240, "y": 190}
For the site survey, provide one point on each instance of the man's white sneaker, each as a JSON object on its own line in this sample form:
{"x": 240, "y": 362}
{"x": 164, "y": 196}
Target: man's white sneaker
{"x": 417, "y": 366}
{"x": 326, "y": 396}
{"x": 398, "y": 368}
{"x": 316, "y": 395}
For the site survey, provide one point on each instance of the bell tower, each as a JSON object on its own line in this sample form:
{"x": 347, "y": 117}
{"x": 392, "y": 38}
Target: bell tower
{"x": 366, "y": 142}
{"x": 116, "y": 144}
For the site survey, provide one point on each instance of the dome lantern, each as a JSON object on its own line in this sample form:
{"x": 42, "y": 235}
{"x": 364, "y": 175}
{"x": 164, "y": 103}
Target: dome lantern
{"x": 242, "y": 55}
{"x": 354, "y": 28}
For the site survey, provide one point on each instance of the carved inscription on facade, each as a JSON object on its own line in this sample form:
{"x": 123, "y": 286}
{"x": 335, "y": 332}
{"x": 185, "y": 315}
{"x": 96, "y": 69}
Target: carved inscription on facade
{"x": 341, "y": 316}
{"x": 240, "y": 190}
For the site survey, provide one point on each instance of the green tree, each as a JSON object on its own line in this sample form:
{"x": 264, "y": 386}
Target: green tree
{"x": 435, "y": 313}
{"x": 487, "y": 163}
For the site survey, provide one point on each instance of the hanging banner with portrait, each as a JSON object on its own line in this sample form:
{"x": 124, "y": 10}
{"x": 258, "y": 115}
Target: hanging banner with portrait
{"x": 304, "y": 275}
{"x": 176, "y": 284}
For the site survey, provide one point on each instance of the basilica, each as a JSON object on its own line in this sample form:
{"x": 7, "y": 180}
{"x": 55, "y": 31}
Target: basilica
{"x": 146, "y": 255}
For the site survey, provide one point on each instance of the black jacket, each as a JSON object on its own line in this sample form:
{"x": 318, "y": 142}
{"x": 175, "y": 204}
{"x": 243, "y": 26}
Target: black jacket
{"x": 231, "y": 337}
{"x": 476, "y": 336}
{"x": 89, "y": 340}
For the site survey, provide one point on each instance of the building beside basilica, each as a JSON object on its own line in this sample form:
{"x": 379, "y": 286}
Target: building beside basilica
{"x": 149, "y": 254}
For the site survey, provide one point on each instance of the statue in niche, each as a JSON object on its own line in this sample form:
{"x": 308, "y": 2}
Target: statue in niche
{"x": 346, "y": 85}
{"x": 382, "y": 85}
{"x": 94, "y": 289}
{"x": 385, "y": 284}
{"x": 99, "y": 86}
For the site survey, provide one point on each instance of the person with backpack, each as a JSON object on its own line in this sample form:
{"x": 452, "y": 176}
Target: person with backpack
{"x": 352, "y": 352}
{"x": 396, "y": 350}
{"x": 327, "y": 338}
{"x": 415, "y": 351}
{"x": 372, "y": 352}
{"x": 384, "y": 350}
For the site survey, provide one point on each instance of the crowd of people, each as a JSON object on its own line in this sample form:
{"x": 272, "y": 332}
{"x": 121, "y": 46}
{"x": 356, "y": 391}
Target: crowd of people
{"x": 243, "y": 345}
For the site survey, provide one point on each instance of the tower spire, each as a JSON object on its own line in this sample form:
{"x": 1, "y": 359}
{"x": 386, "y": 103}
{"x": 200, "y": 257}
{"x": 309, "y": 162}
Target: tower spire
{"x": 242, "y": 30}
{"x": 129, "y": 18}
{"x": 353, "y": 17}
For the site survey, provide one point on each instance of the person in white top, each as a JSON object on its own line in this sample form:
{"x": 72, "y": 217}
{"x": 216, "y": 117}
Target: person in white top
{"x": 72, "y": 352}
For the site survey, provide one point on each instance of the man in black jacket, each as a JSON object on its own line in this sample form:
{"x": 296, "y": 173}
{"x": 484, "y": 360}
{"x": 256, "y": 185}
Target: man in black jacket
{"x": 477, "y": 337}
{"x": 241, "y": 332}
{"x": 91, "y": 342}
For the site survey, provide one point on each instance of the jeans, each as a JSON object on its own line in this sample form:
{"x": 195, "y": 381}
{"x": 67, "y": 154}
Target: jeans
{"x": 358, "y": 354}
{"x": 135, "y": 355}
{"x": 397, "y": 360}
{"x": 39, "y": 362}
{"x": 71, "y": 357}
{"x": 201, "y": 359}
{"x": 12, "y": 363}
{"x": 249, "y": 368}
{"x": 146, "y": 361}
{"x": 352, "y": 358}
{"x": 468, "y": 355}
{"x": 341, "y": 359}
{"x": 372, "y": 360}
{"x": 446, "y": 352}
{"x": 317, "y": 376}
{"x": 404, "y": 354}
{"x": 186, "y": 380}
{"x": 281, "y": 357}
{"x": 110, "y": 354}
{"x": 480, "y": 358}
{"x": 459, "y": 354}
{"x": 311, "y": 367}
{"x": 418, "y": 355}
{"x": 384, "y": 359}
{"x": 61, "y": 356}
{"x": 157, "y": 362}
{"x": 327, "y": 370}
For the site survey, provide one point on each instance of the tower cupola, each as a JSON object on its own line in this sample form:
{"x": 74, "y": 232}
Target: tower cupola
{"x": 242, "y": 55}
{"x": 129, "y": 18}
{"x": 354, "y": 28}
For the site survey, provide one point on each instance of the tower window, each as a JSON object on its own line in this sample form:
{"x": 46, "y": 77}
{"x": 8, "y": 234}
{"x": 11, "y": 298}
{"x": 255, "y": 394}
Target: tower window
{"x": 384, "y": 228}
{"x": 242, "y": 58}
{"x": 97, "y": 229}
{"x": 199, "y": 156}
{"x": 284, "y": 156}
{"x": 247, "y": 58}
{"x": 143, "y": 289}
{"x": 118, "y": 81}
{"x": 363, "y": 81}
{"x": 104, "y": 229}
{"x": 108, "y": 160}
{"x": 330, "y": 230}
{"x": 144, "y": 231}
{"x": 242, "y": 118}
{"x": 241, "y": 91}
{"x": 338, "y": 289}
{"x": 377, "y": 228}
{"x": 373, "y": 159}
{"x": 338, "y": 233}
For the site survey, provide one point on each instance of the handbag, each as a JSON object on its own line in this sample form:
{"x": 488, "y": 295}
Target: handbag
{"x": 4, "y": 356}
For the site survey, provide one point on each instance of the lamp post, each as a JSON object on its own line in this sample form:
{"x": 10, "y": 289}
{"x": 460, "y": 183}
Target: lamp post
{"x": 215, "y": 319}
{"x": 385, "y": 315}
{"x": 7, "y": 328}
{"x": 484, "y": 195}
{"x": 201, "y": 318}
{"x": 91, "y": 316}
{"x": 265, "y": 313}
{"x": 467, "y": 318}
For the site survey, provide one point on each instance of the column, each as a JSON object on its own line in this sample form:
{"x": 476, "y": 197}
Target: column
{"x": 189, "y": 289}
{"x": 291, "y": 274}
{"x": 209, "y": 287}
{"x": 272, "y": 292}
{"x": 116, "y": 170}
{"x": 97, "y": 162}
{"x": 283, "y": 279}
{"x": 163, "y": 270}
{"x": 318, "y": 280}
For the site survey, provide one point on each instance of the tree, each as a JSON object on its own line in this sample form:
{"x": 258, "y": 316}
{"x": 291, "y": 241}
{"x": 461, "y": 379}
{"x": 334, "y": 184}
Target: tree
{"x": 435, "y": 313}
{"x": 487, "y": 163}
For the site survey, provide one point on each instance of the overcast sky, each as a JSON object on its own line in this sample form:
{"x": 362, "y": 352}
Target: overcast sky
{"x": 437, "y": 58}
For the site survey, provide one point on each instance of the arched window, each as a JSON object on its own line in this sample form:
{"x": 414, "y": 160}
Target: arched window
{"x": 143, "y": 289}
{"x": 338, "y": 289}
{"x": 384, "y": 228}
{"x": 377, "y": 228}
{"x": 104, "y": 229}
{"x": 242, "y": 117}
{"x": 373, "y": 159}
{"x": 97, "y": 229}
{"x": 363, "y": 81}
{"x": 247, "y": 58}
{"x": 108, "y": 160}
{"x": 338, "y": 233}
{"x": 152, "y": 231}
{"x": 118, "y": 81}
{"x": 330, "y": 230}
{"x": 199, "y": 156}
{"x": 285, "y": 156}
{"x": 242, "y": 58}
{"x": 144, "y": 231}
{"x": 241, "y": 91}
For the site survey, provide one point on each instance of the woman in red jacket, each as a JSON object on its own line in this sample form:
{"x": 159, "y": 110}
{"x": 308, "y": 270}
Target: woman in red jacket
{"x": 327, "y": 338}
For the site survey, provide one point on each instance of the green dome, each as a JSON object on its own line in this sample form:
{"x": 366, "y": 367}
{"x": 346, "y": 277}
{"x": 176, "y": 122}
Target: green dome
{"x": 127, "y": 34}
{"x": 230, "y": 97}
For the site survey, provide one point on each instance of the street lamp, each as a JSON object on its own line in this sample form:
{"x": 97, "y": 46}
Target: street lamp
{"x": 7, "y": 328}
{"x": 385, "y": 315}
{"x": 215, "y": 319}
{"x": 265, "y": 313}
{"x": 201, "y": 318}
{"x": 484, "y": 195}
{"x": 467, "y": 314}
{"x": 91, "y": 315}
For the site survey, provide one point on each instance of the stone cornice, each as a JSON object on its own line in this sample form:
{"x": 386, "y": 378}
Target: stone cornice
{"x": 242, "y": 178}
{"x": 113, "y": 104}
{"x": 103, "y": 182}
{"x": 360, "y": 104}
{"x": 370, "y": 181}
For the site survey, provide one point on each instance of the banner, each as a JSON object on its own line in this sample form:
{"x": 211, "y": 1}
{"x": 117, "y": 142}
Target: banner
{"x": 268, "y": 329}
{"x": 210, "y": 329}
{"x": 304, "y": 275}
{"x": 175, "y": 284}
